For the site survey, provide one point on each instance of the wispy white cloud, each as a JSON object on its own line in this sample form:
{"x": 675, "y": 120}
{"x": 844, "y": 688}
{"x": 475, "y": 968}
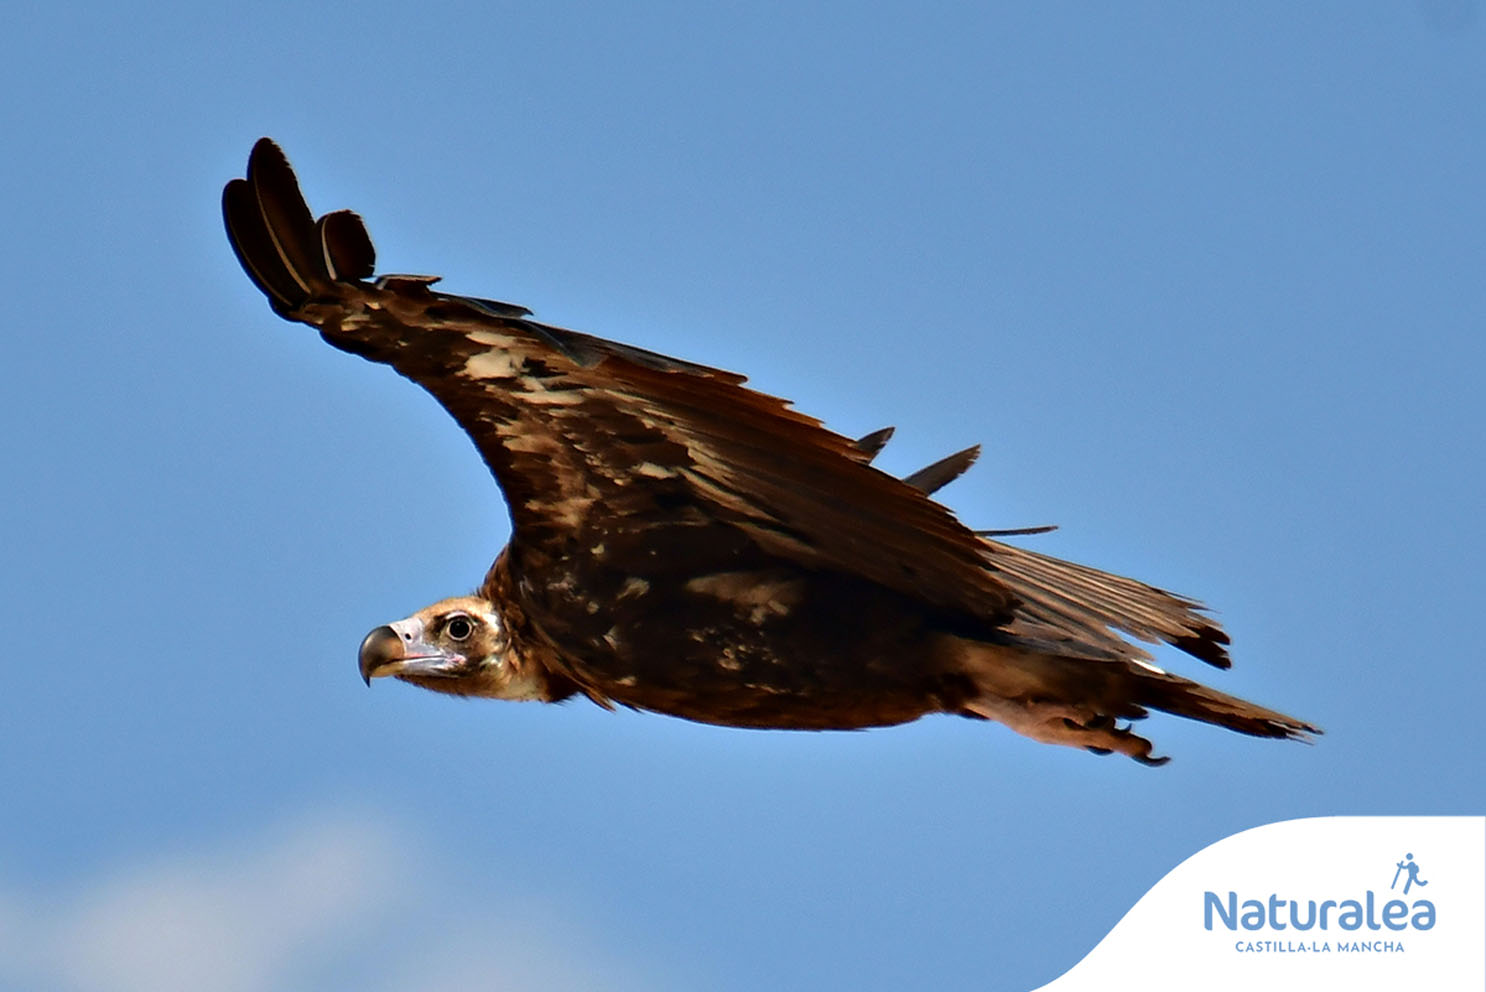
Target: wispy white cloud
{"x": 301, "y": 906}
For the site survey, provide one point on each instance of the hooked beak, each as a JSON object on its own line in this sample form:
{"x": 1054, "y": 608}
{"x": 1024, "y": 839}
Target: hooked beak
{"x": 399, "y": 649}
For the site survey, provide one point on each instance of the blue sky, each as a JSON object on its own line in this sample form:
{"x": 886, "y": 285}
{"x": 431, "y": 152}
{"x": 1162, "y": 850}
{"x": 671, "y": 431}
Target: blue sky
{"x": 1207, "y": 285}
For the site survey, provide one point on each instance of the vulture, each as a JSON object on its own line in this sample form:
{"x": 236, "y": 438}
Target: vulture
{"x": 686, "y": 545}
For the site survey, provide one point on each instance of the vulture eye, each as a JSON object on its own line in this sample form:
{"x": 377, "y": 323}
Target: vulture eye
{"x": 459, "y": 627}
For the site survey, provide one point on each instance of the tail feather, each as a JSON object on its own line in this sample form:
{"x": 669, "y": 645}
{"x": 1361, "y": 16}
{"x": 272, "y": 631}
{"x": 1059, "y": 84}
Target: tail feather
{"x": 1183, "y": 697}
{"x": 1079, "y": 701}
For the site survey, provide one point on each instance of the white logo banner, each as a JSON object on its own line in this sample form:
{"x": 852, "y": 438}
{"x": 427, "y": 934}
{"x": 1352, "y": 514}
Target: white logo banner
{"x": 1354, "y": 902}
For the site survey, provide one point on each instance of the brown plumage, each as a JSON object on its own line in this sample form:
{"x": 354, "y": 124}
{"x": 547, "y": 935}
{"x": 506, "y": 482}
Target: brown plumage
{"x": 683, "y": 544}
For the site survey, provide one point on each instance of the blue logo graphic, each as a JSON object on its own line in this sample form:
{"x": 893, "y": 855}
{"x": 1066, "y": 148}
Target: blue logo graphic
{"x": 1407, "y": 865}
{"x": 1364, "y": 911}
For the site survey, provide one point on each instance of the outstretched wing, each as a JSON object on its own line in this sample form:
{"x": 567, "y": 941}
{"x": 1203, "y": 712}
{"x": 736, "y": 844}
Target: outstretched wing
{"x": 588, "y": 437}
{"x": 597, "y": 444}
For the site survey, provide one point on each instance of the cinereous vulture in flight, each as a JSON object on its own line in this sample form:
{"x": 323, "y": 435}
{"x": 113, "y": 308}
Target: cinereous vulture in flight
{"x": 683, "y": 544}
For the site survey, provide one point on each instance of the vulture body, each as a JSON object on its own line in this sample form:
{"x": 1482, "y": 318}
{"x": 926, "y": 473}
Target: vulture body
{"x": 683, "y": 544}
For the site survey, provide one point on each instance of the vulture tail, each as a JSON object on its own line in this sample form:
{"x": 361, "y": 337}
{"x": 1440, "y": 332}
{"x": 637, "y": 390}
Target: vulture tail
{"x": 1081, "y": 701}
